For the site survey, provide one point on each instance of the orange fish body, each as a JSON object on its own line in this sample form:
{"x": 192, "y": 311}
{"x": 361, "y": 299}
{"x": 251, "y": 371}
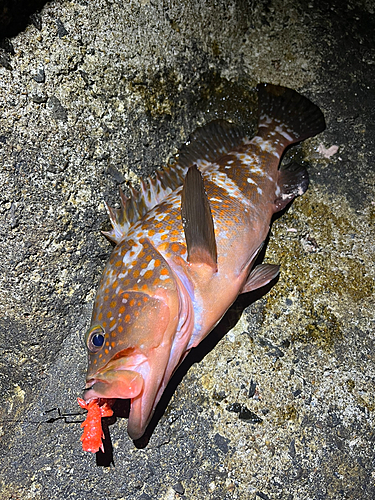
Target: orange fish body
{"x": 185, "y": 249}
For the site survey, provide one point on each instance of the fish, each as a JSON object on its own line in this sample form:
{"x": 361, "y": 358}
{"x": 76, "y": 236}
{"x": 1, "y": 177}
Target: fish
{"x": 185, "y": 247}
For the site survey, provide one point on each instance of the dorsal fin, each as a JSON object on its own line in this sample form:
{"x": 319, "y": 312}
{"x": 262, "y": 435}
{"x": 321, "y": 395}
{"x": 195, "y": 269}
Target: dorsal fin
{"x": 210, "y": 143}
{"x": 197, "y": 220}
{"x": 207, "y": 143}
{"x": 152, "y": 192}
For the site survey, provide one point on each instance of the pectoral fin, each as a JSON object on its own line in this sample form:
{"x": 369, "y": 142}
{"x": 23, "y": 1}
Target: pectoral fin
{"x": 197, "y": 220}
{"x": 260, "y": 276}
{"x": 293, "y": 181}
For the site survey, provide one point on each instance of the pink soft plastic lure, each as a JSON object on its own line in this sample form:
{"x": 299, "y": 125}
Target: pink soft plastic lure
{"x": 92, "y": 427}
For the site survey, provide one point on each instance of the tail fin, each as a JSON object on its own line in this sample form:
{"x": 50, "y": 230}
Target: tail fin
{"x": 287, "y": 113}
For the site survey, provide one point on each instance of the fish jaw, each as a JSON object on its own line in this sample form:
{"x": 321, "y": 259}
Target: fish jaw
{"x": 115, "y": 382}
{"x": 143, "y": 406}
{"x": 162, "y": 362}
{"x": 139, "y": 384}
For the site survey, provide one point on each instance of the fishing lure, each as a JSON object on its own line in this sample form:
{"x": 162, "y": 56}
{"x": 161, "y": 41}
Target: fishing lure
{"x": 92, "y": 427}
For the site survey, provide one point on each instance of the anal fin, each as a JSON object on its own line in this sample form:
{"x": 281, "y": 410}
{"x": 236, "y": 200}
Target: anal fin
{"x": 260, "y": 276}
{"x": 293, "y": 181}
{"x": 197, "y": 221}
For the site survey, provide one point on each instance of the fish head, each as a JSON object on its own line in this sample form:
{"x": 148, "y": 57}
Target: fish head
{"x": 135, "y": 319}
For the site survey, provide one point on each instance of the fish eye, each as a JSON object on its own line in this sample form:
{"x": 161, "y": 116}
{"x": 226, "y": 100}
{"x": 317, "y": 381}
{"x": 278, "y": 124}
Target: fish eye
{"x": 95, "y": 339}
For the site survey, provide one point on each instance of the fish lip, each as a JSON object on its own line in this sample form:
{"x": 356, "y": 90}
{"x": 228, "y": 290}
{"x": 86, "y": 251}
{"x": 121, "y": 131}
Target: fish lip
{"x": 92, "y": 381}
{"x": 87, "y": 396}
{"x": 89, "y": 385}
{"x": 114, "y": 384}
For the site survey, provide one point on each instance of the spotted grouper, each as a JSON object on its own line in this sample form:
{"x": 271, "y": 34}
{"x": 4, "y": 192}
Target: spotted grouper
{"x": 185, "y": 247}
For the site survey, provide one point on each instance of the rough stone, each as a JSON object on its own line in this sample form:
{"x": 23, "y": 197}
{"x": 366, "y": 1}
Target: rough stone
{"x": 125, "y": 84}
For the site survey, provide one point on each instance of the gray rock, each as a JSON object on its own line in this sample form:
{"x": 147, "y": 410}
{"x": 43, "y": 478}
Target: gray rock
{"x": 127, "y": 82}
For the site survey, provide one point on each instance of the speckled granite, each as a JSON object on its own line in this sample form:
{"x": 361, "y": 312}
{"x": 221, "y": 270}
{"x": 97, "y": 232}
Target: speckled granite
{"x": 97, "y": 94}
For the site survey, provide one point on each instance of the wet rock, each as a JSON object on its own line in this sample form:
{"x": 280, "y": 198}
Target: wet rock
{"x": 40, "y": 76}
{"x": 178, "y": 488}
{"x": 61, "y": 30}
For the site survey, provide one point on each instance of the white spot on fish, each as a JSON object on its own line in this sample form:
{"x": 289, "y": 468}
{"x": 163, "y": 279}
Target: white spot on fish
{"x": 281, "y": 130}
{"x": 163, "y": 277}
{"x": 251, "y": 181}
{"x": 267, "y": 146}
{"x": 160, "y": 217}
{"x": 257, "y": 170}
{"x": 203, "y": 164}
{"x": 128, "y": 259}
{"x": 224, "y": 182}
{"x": 150, "y": 267}
{"x": 247, "y": 158}
{"x": 265, "y": 120}
{"x": 259, "y": 190}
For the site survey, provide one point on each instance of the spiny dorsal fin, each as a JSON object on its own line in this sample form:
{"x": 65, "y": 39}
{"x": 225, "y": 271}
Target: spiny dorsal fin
{"x": 197, "y": 220}
{"x": 207, "y": 143}
{"x": 152, "y": 192}
{"x": 210, "y": 143}
{"x": 293, "y": 181}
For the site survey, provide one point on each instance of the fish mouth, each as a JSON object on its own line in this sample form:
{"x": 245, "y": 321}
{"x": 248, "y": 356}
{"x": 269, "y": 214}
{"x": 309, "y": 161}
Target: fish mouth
{"x": 121, "y": 378}
{"x": 114, "y": 384}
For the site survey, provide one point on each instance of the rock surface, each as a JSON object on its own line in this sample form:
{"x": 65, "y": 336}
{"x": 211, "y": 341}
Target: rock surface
{"x": 97, "y": 94}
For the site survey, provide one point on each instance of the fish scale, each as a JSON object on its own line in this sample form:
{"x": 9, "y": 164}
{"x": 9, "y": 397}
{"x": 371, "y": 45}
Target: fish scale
{"x": 185, "y": 249}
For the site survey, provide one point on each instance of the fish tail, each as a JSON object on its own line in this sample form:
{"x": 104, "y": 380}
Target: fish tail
{"x": 287, "y": 114}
